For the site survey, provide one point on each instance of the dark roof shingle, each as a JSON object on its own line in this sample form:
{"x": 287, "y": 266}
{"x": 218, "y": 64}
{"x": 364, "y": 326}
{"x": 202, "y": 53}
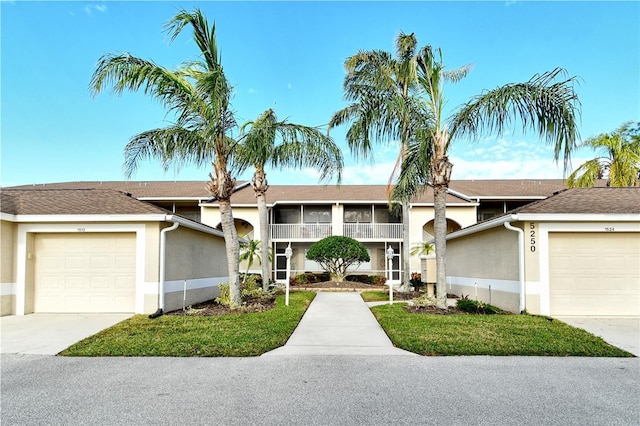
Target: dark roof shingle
{"x": 587, "y": 201}
{"x": 72, "y": 202}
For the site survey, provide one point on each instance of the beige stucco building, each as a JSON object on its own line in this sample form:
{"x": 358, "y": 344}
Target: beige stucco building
{"x": 575, "y": 253}
{"x": 99, "y": 250}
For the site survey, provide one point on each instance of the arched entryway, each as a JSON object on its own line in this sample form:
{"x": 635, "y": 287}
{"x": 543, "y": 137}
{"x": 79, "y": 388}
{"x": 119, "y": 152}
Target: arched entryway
{"x": 428, "y": 232}
{"x": 243, "y": 228}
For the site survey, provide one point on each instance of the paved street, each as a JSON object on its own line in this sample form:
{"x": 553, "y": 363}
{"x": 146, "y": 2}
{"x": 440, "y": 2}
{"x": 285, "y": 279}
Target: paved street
{"x": 320, "y": 390}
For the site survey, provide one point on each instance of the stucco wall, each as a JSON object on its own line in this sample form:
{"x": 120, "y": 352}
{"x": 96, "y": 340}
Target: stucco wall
{"x": 484, "y": 266}
{"x": 195, "y": 262}
{"x": 7, "y": 266}
{"x": 191, "y": 254}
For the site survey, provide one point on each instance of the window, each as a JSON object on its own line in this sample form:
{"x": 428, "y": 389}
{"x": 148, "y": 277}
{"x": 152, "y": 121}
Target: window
{"x": 317, "y": 214}
{"x": 357, "y": 215}
{"x": 287, "y": 215}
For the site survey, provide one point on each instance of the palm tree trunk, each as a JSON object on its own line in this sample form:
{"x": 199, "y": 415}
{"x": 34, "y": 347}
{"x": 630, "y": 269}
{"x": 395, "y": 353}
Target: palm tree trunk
{"x": 440, "y": 176}
{"x": 221, "y": 187}
{"x": 260, "y": 187}
{"x": 233, "y": 251}
{"x": 406, "y": 249}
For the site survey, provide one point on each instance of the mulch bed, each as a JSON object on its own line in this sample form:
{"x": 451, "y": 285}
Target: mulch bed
{"x": 261, "y": 304}
{"x": 434, "y": 310}
{"x": 212, "y": 308}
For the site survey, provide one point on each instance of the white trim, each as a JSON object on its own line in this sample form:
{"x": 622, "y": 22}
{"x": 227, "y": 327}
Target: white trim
{"x": 193, "y": 284}
{"x": 509, "y": 286}
{"x": 624, "y": 222}
{"x": 8, "y": 217}
{"x": 7, "y": 289}
{"x": 61, "y": 218}
{"x": 152, "y": 198}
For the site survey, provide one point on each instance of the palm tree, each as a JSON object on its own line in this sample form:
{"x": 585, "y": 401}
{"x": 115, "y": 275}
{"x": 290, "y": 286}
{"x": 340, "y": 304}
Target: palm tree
{"x": 198, "y": 95}
{"x": 620, "y": 162}
{"x": 546, "y": 104}
{"x": 422, "y": 249}
{"x": 249, "y": 251}
{"x": 384, "y": 108}
{"x": 269, "y": 142}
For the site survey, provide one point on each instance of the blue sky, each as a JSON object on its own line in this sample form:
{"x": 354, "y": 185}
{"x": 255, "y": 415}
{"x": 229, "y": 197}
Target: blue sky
{"x": 289, "y": 56}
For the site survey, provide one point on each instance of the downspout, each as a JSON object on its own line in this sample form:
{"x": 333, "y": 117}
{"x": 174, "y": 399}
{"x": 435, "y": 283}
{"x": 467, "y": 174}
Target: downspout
{"x": 520, "y": 232}
{"x": 163, "y": 244}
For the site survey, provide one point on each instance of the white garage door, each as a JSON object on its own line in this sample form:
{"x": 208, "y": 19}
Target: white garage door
{"x": 594, "y": 273}
{"x": 85, "y": 272}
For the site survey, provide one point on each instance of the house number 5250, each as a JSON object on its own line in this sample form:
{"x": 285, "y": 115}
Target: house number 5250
{"x": 532, "y": 237}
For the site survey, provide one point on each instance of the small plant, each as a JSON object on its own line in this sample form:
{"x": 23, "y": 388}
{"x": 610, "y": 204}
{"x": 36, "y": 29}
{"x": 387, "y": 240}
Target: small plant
{"x": 250, "y": 288}
{"x": 416, "y": 280}
{"x": 225, "y": 296}
{"x": 478, "y": 307}
{"x": 424, "y": 301}
{"x": 190, "y": 310}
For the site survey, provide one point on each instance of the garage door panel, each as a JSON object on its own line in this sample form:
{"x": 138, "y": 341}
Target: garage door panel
{"x": 594, "y": 274}
{"x": 88, "y": 273}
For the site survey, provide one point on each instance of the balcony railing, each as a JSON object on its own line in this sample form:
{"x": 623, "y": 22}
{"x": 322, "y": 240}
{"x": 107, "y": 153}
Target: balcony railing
{"x": 304, "y": 231}
{"x": 376, "y": 231}
{"x": 358, "y": 231}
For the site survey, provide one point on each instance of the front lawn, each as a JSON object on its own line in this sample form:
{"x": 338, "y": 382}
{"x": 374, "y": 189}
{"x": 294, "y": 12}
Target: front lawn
{"x": 237, "y": 335}
{"x": 499, "y": 335}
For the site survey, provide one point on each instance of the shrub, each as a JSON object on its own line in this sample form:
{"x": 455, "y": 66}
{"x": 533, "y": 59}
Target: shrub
{"x": 378, "y": 279}
{"x": 365, "y": 279}
{"x": 477, "y": 307}
{"x": 337, "y": 253}
{"x": 416, "y": 280}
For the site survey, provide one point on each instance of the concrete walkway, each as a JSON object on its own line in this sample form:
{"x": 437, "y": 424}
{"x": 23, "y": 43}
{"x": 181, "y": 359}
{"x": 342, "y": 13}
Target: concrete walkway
{"x": 338, "y": 324}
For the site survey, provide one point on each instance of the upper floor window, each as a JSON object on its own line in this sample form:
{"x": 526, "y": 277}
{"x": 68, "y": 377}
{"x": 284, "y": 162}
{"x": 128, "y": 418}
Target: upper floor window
{"x": 287, "y": 215}
{"x": 317, "y": 214}
{"x": 357, "y": 215}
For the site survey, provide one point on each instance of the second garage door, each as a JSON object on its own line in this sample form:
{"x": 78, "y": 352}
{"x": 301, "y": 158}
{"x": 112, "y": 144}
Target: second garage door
{"x": 594, "y": 273}
{"x": 84, "y": 272}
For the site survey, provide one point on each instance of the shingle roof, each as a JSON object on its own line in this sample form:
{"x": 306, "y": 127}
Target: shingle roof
{"x": 588, "y": 201}
{"x": 170, "y": 190}
{"x": 72, "y": 202}
{"x": 138, "y": 189}
{"x": 330, "y": 193}
{"x": 506, "y": 188}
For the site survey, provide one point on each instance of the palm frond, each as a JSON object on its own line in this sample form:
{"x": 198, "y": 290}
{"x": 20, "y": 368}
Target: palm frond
{"x": 587, "y": 174}
{"x": 172, "y": 145}
{"x": 543, "y": 104}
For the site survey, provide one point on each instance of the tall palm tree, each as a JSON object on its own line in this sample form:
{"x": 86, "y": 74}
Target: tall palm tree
{"x": 546, "y": 104}
{"x": 384, "y": 108}
{"x": 280, "y": 144}
{"x": 198, "y": 95}
{"x": 620, "y": 162}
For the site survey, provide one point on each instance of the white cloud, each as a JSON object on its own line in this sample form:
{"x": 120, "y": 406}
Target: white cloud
{"x": 289, "y": 86}
{"x": 101, "y": 8}
{"x": 252, "y": 91}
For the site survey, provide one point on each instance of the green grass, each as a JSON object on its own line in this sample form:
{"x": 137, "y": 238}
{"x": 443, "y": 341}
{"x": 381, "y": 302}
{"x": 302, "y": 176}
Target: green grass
{"x": 499, "y": 335}
{"x": 375, "y": 296}
{"x": 236, "y": 335}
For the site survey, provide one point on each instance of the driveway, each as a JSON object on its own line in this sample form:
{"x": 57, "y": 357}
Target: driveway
{"x": 623, "y": 332}
{"x": 48, "y": 334}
